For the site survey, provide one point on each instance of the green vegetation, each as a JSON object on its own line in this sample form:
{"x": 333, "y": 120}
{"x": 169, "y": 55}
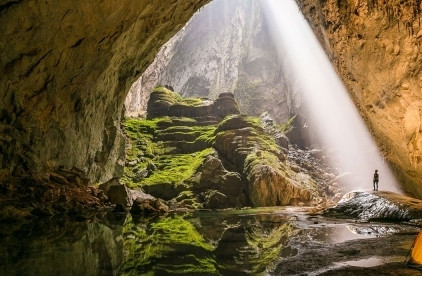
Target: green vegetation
{"x": 176, "y": 98}
{"x": 287, "y": 126}
{"x": 176, "y": 168}
{"x": 165, "y": 152}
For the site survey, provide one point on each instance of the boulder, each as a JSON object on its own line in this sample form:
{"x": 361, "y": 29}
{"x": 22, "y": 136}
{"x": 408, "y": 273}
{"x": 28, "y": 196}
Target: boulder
{"x": 146, "y": 204}
{"x": 225, "y": 105}
{"x": 231, "y": 184}
{"x": 380, "y": 205}
{"x": 119, "y": 194}
{"x": 215, "y": 200}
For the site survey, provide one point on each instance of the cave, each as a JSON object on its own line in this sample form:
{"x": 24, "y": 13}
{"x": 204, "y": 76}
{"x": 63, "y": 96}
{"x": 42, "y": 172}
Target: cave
{"x": 66, "y": 70}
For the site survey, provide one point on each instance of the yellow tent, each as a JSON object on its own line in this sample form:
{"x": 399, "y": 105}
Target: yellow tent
{"x": 415, "y": 259}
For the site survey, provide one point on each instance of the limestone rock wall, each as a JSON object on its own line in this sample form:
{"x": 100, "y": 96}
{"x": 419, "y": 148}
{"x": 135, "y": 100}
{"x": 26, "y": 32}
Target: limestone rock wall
{"x": 376, "y": 48}
{"x": 224, "y": 47}
{"x": 65, "y": 69}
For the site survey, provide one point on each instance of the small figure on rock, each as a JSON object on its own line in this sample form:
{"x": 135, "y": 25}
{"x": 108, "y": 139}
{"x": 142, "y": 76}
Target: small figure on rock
{"x": 376, "y": 179}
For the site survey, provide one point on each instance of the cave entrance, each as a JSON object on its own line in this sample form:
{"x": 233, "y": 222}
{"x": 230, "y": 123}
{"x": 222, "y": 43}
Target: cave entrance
{"x": 272, "y": 63}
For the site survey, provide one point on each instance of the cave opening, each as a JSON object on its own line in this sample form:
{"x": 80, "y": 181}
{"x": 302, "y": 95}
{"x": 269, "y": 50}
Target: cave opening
{"x": 224, "y": 173}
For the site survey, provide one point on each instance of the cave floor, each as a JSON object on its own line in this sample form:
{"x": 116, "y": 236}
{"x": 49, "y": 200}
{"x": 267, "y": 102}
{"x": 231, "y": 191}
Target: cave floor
{"x": 364, "y": 249}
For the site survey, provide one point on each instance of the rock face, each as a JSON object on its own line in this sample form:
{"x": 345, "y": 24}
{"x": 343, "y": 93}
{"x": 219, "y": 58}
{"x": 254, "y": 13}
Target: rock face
{"x": 375, "y": 47}
{"x": 380, "y": 205}
{"x": 225, "y": 47}
{"x": 65, "y": 69}
{"x": 163, "y": 102}
{"x": 207, "y": 155}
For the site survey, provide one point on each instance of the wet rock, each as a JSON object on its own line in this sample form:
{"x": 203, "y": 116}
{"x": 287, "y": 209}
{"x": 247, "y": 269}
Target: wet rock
{"x": 381, "y": 205}
{"x": 144, "y": 203}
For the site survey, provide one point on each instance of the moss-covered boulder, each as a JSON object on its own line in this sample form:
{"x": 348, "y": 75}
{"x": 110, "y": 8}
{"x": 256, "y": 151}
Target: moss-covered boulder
{"x": 243, "y": 141}
{"x": 165, "y": 102}
{"x": 198, "y": 153}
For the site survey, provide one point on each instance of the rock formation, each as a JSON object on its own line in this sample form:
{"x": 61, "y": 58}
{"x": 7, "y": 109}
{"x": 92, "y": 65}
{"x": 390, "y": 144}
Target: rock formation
{"x": 65, "y": 69}
{"x": 382, "y": 205}
{"x": 198, "y": 153}
{"x": 225, "y": 47}
{"x": 375, "y": 47}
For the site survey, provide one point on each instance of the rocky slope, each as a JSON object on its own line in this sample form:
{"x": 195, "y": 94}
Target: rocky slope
{"x": 198, "y": 153}
{"x": 375, "y": 47}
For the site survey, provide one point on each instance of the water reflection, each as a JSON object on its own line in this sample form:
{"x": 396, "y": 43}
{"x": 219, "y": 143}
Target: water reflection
{"x": 234, "y": 242}
{"x": 212, "y": 243}
{"x": 58, "y": 246}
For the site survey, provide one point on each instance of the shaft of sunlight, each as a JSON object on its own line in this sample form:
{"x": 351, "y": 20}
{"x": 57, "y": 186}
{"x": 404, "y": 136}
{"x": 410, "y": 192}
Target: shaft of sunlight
{"x": 335, "y": 118}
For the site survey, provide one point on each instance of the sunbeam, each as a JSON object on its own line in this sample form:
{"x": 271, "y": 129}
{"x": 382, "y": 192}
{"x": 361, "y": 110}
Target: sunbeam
{"x": 333, "y": 115}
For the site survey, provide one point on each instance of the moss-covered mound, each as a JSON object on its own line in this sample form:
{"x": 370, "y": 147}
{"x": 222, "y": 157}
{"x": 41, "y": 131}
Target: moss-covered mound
{"x": 202, "y": 154}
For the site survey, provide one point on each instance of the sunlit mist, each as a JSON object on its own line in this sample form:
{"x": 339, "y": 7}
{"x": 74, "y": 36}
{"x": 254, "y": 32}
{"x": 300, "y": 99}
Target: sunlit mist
{"x": 330, "y": 109}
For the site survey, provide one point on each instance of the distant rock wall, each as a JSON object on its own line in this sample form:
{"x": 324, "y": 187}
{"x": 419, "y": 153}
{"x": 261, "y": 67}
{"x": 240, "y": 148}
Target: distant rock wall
{"x": 376, "y": 48}
{"x": 65, "y": 69}
{"x": 225, "y": 47}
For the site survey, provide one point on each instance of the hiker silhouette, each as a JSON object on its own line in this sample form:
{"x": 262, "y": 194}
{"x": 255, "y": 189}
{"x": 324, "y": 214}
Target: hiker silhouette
{"x": 376, "y": 179}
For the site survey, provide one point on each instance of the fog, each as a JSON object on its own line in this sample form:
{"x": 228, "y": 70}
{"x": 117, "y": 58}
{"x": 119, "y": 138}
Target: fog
{"x": 333, "y": 115}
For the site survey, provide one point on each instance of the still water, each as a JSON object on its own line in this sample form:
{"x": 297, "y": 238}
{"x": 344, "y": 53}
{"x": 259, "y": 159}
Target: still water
{"x": 231, "y": 242}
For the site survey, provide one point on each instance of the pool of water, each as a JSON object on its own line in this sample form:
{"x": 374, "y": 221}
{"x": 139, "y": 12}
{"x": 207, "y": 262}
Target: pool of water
{"x": 231, "y": 242}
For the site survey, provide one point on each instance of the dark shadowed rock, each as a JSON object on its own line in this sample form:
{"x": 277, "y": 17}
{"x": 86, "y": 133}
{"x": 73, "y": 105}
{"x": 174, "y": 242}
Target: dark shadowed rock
{"x": 119, "y": 194}
{"x": 215, "y": 200}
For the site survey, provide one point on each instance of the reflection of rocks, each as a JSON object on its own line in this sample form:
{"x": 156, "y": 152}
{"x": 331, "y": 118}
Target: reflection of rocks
{"x": 381, "y": 205}
{"x": 68, "y": 248}
{"x": 255, "y": 247}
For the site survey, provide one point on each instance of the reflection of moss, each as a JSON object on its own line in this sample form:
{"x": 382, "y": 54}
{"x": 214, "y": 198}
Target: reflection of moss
{"x": 268, "y": 245}
{"x": 151, "y": 250}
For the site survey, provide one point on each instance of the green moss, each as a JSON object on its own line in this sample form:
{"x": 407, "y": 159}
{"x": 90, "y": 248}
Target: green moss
{"x": 287, "y": 126}
{"x": 176, "y": 168}
{"x": 188, "y": 199}
{"x": 259, "y": 158}
{"x": 176, "y": 98}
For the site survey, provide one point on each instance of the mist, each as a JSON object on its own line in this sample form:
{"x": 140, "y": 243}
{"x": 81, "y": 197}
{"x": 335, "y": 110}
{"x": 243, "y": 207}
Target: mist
{"x": 330, "y": 110}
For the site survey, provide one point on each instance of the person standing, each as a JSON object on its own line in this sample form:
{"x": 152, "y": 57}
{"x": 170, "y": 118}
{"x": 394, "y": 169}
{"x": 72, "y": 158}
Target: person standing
{"x": 376, "y": 179}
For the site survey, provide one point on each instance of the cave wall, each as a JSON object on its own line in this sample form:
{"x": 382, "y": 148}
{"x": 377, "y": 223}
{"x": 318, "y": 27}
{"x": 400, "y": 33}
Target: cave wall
{"x": 65, "y": 69}
{"x": 225, "y": 47}
{"x": 375, "y": 46}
